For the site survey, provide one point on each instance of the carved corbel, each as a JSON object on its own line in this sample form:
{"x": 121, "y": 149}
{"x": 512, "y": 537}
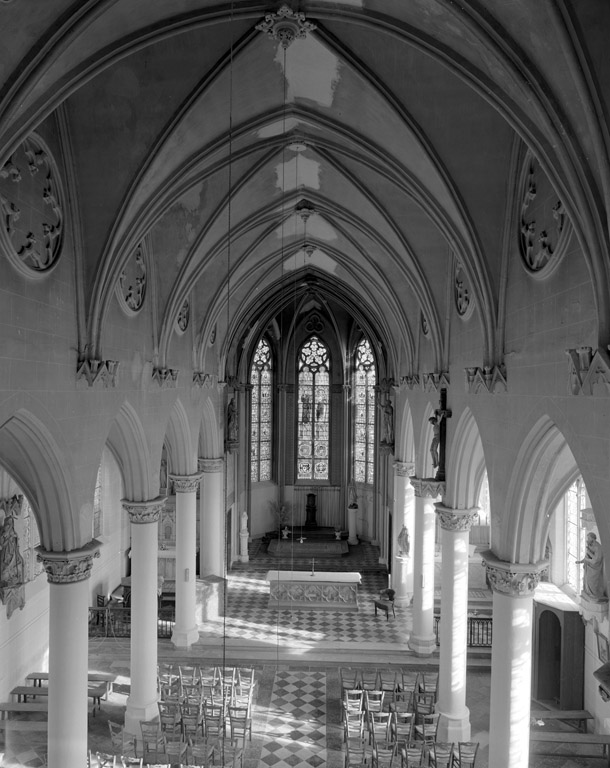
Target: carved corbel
{"x": 101, "y": 373}
{"x": 490, "y": 378}
{"x": 207, "y": 380}
{"x": 589, "y": 371}
{"x": 434, "y": 382}
{"x": 166, "y": 378}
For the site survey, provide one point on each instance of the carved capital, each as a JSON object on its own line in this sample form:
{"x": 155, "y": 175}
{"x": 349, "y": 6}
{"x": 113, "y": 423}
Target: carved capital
{"x": 100, "y": 373}
{"x": 490, "y": 379}
{"x": 588, "y": 371}
{"x": 69, "y": 567}
{"x": 210, "y": 465}
{"x": 143, "y": 512}
{"x": 513, "y": 579}
{"x": 186, "y": 483}
{"x": 427, "y": 488}
{"x": 404, "y": 468}
{"x": 166, "y": 378}
{"x": 207, "y": 380}
{"x": 456, "y": 520}
{"x": 434, "y": 382}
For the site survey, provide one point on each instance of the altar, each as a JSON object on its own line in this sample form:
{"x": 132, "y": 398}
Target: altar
{"x": 322, "y": 590}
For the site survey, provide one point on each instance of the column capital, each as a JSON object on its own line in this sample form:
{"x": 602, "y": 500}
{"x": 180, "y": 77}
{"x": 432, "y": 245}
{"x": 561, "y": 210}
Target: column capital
{"x": 186, "y": 483}
{"x": 404, "y": 468}
{"x": 210, "y": 465}
{"x": 142, "y": 512}
{"x": 513, "y": 579}
{"x": 69, "y": 567}
{"x": 427, "y": 487}
{"x": 456, "y": 520}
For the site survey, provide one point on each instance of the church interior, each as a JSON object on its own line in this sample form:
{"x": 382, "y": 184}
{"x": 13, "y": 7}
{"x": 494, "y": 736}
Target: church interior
{"x": 305, "y": 368}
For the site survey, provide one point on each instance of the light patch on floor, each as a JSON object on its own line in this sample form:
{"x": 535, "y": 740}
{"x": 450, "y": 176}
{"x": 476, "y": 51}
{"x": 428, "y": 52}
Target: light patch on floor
{"x": 297, "y": 173}
{"x": 311, "y": 70}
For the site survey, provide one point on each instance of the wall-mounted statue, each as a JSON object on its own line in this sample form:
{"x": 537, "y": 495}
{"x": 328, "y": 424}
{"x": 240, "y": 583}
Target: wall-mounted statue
{"x": 232, "y": 432}
{"x": 387, "y": 434}
{"x": 11, "y": 562}
{"x": 594, "y": 588}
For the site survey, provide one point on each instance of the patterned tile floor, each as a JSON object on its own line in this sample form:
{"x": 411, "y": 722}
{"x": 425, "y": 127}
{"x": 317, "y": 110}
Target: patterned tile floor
{"x": 296, "y": 719}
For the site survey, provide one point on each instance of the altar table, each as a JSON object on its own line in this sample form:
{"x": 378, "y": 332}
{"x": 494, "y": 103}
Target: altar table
{"x": 324, "y": 590}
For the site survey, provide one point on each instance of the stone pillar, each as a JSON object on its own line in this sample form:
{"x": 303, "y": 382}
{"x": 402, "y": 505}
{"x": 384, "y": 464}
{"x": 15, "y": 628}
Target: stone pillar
{"x": 68, "y": 574}
{"x": 352, "y": 535}
{"x": 142, "y": 701}
{"x": 185, "y": 629}
{"x": 454, "y": 723}
{"x": 513, "y": 586}
{"x": 423, "y": 641}
{"x": 211, "y": 518}
{"x": 244, "y": 536}
{"x": 404, "y": 510}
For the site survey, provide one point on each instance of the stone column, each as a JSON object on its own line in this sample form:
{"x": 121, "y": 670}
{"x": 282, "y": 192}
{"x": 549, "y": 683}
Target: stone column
{"x": 142, "y": 701}
{"x": 404, "y": 510}
{"x": 68, "y": 574}
{"x": 454, "y": 723}
{"x": 211, "y": 518}
{"x": 513, "y": 586}
{"x": 185, "y": 629}
{"x": 423, "y": 641}
{"x": 352, "y": 535}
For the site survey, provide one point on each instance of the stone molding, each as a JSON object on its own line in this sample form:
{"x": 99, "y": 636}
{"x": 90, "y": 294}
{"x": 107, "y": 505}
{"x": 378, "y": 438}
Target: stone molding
{"x": 186, "y": 483}
{"x": 166, "y": 378}
{"x": 143, "y": 512}
{"x": 404, "y": 468}
{"x": 102, "y": 373}
{"x": 434, "y": 382}
{"x": 587, "y": 370}
{"x": 513, "y": 579}
{"x": 210, "y": 465}
{"x": 427, "y": 487}
{"x": 69, "y": 567}
{"x": 456, "y": 520}
{"x": 411, "y": 382}
{"x": 490, "y": 378}
{"x": 285, "y": 25}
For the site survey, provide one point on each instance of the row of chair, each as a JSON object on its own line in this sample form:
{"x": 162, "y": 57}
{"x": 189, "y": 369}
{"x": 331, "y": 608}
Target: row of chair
{"x": 389, "y": 680}
{"x": 404, "y": 754}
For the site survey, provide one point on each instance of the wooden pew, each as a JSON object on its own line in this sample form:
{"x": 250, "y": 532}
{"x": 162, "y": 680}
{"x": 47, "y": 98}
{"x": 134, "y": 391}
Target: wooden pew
{"x": 573, "y": 737}
{"x": 564, "y": 715}
{"x": 6, "y": 707}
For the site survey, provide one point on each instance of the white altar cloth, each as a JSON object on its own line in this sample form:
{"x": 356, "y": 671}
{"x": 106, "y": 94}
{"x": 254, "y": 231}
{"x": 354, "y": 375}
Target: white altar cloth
{"x": 324, "y": 590}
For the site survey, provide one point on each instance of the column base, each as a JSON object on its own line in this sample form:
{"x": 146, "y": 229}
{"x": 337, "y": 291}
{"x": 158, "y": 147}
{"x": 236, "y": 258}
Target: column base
{"x": 353, "y": 542}
{"x": 184, "y": 638}
{"x": 422, "y": 646}
{"x": 404, "y": 600}
{"x": 134, "y": 713}
{"x": 454, "y": 727}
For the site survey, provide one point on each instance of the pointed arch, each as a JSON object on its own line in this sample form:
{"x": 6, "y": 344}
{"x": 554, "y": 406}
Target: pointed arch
{"x": 31, "y": 455}
{"x": 466, "y": 463}
{"x": 128, "y": 443}
{"x": 181, "y": 456}
{"x": 543, "y": 463}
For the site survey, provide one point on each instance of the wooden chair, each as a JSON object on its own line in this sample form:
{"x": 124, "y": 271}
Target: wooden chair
{"x": 413, "y": 754}
{"x": 170, "y": 718}
{"x": 353, "y": 700}
{"x": 424, "y": 703}
{"x": 440, "y": 754}
{"x": 388, "y": 680}
{"x": 378, "y": 726}
{"x": 385, "y": 603}
{"x": 426, "y": 727}
{"x": 122, "y": 743}
{"x": 401, "y": 726}
{"x": 357, "y": 753}
{"x": 353, "y": 724}
{"x": 175, "y": 749}
{"x": 213, "y": 719}
{"x": 153, "y": 741}
{"x": 428, "y": 683}
{"x": 385, "y": 755}
{"x": 349, "y": 679}
{"x": 240, "y": 724}
{"x": 368, "y": 679}
{"x": 373, "y": 700}
{"x": 465, "y": 755}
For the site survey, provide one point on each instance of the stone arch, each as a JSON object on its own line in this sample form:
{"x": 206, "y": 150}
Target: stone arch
{"x": 209, "y": 432}
{"x": 465, "y": 463}
{"x": 181, "y": 457}
{"x": 29, "y": 452}
{"x": 128, "y": 443}
{"x": 543, "y": 463}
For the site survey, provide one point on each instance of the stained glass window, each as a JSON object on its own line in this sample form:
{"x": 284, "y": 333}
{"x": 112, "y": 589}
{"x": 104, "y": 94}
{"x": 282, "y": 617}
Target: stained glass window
{"x": 313, "y": 410}
{"x": 261, "y": 378}
{"x": 575, "y": 501}
{"x": 365, "y": 379}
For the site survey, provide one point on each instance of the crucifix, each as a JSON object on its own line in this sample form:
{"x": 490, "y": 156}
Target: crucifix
{"x": 437, "y": 448}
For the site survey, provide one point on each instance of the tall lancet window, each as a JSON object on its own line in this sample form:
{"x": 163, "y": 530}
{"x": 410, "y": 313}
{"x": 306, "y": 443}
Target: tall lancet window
{"x": 261, "y": 379}
{"x": 313, "y": 414}
{"x": 365, "y": 379}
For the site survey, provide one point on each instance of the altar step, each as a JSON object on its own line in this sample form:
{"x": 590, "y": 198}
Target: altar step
{"x": 296, "y": 550}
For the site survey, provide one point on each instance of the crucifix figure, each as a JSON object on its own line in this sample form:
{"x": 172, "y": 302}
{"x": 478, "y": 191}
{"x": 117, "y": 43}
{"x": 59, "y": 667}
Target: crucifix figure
{"x": 437, "y": 447}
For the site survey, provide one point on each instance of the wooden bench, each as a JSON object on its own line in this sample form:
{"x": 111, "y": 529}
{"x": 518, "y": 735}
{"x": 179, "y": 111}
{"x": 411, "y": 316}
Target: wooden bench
{"x": 37, "y": 678}
{"x": 564, "y": 715}
{"x": 6, "y": 707}
{"x": 95, "y": 691}
{"x": 386, "y": 606}
{"x": 24, "y": 725}
{"x": 573, "y": 737}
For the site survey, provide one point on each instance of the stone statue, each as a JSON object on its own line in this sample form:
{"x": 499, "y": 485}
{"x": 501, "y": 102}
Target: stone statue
{"x": 404, "y": 545}
{"x": 232, "y": 421}
{"x": 244, "y": 521}
{"x": 388, "y": 422}
{"x": 11, "y": 562}
{"x": 352, "y": 495}
{"x": 594, "y": 588}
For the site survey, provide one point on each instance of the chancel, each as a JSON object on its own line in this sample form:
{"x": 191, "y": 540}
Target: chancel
{"x": 302, "y": 302}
